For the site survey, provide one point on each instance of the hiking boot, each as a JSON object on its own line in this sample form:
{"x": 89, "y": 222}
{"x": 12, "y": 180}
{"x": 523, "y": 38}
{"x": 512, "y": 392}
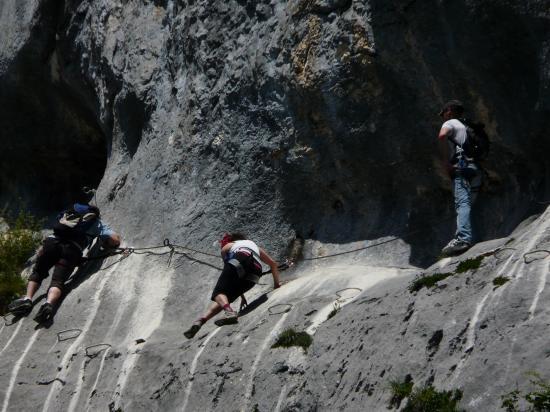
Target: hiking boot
{"x": 45, "y": 313}
{"x": 192, "y": 331}
{"x": 230, "y": 317}
{"x": 455, "y": 247}
{"x": 21, "y": 306}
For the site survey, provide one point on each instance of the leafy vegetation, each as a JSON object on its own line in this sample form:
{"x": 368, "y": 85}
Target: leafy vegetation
{"x": 427, "y": 281}
{"x": 400, "y": 391}
{"x": 431, "y": 280}
{"x": 500, "y": 280}
{"x": 290, "y": 337}
{"x": 538, "y": 399}
{"x": 469, "y": 264}
{"x": 17, "y": 245}
{"x": 429, "y": 399}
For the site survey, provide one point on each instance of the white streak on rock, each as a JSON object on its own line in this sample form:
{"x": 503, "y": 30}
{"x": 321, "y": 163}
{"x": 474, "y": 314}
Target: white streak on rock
{"x": 12, "y": 337}
{"x": 281, "y": 399}
{"x": 270, "y": 337}
{"x": 470, "y": 341}
{"x": 540, "y": 288}
{"x": 471, "y": 335}
{"x": 15, "y": 371}
{"x": 145, "y": 320}
{"x": 194, "y": 367}
{"x": 94, "y": 304}
{"x": 97, "y": 377}
{"x": 52, "y": 347}
{"x": 94, "y": 386}
{"x": 78, "y": 389}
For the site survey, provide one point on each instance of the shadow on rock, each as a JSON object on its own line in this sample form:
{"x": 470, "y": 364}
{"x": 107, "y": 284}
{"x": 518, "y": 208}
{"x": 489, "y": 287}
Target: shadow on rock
{"x": 254, "y": 305}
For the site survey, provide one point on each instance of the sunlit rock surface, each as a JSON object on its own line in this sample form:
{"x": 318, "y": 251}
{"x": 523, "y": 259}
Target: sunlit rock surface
{"x": 294, "y": 121}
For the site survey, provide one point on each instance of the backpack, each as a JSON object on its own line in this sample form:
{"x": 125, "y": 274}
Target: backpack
{"x": 72, "y": 224}
{"x": 477, "y": 142}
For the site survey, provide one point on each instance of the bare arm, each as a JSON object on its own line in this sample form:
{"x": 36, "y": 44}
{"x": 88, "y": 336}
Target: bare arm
{"x": 444, "y": 134}
{"x": 113, "y": 241}
{"x": 273, "y": 265}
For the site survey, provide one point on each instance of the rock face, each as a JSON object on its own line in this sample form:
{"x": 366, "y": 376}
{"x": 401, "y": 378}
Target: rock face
{"x": 302, "y": 121}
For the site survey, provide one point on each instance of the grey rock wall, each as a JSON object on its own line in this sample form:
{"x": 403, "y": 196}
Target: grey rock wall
{"x": 255, "y": 110}
{"x": 308, "y": 120}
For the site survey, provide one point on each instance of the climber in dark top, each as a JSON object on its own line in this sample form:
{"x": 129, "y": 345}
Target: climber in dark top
{"x": 74, "y": 231}
{"x": 242, "y": 270}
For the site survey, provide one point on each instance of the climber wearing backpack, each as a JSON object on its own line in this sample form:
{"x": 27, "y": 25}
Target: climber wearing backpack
{"x": 463, "y": 144}
{"x": 74, "y": 231}
{"x": 242, "y": 270}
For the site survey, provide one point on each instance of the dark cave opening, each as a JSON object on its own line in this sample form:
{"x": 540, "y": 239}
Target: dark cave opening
{"x": 52, "y": 147}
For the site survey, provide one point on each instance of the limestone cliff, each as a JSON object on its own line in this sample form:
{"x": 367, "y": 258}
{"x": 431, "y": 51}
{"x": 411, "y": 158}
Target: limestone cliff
{"x": 307, "y": 120}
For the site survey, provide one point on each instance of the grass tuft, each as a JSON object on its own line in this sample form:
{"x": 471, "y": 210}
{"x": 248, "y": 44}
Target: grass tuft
{"x": 500, "y": 280}
{"x": 430, "y": 399}
{"x": 400, "y": 391}
{"x": 427, "y": 281}
{"x": 469, "y": 264}
{"x": 290, "y": 337}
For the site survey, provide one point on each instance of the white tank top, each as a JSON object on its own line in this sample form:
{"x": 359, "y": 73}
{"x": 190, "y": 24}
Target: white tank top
{"x": 247, "y": 244}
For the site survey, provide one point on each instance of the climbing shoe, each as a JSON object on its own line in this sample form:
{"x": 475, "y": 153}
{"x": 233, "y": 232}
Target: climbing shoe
{"x": 192, "y": 331}
{"x": 20, "y": 306}
{"x": 45, "y": 313}
{"x": 230, "y": 317}
{"x": 455, "y": 247}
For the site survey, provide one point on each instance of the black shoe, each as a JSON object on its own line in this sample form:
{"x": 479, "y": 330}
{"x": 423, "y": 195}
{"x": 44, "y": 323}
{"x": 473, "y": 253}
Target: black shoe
{"x": 45, "y": 313}
{"x": 21, "y": 306}
{"x": 192, "y": 331}
{"x": 230, "y": 317}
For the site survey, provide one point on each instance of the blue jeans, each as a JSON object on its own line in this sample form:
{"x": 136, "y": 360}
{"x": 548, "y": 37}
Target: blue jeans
{"x": 466, "y": 187}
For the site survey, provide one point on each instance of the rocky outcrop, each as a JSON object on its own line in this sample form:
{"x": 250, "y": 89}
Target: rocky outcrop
{"x": 299, "y": 121}
{"x": 258, "y": 109}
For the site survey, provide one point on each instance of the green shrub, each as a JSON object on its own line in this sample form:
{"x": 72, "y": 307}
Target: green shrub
{"x": 400, "y": 391}
{"x": 538, "y": 399}
{"x": 510, "y": 401}
{"x": 500, "y": 280}
{"x": 469, "y": 264}
{"x": 17, "y": 245}
{"x": 290, "y": 337}
{"x": 427, "y": 281}
{"x": 429, "y": 399}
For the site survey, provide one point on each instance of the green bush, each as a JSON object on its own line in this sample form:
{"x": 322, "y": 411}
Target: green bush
{"x": 427, "y": 281}
{"x": 400, "y": 391}
{"x": 469, "y": 264}
{"x": 429, "y": 399}
{"x": 17, "y": 245}
{"x": 538, "y": 399}
{"x": 500, "y": 280}
{"x": 290, "y": 337}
